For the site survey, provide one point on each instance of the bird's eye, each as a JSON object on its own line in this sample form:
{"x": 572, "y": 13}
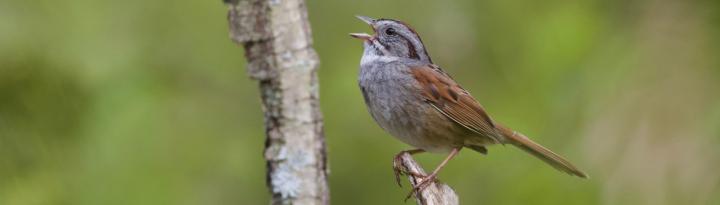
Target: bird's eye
{"x": 390, "y": 31}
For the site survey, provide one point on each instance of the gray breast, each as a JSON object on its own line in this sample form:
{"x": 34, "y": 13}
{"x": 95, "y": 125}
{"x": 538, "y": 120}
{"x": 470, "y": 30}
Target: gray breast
{"x": 393, "y": 99}
{"x": 388, "y": 90}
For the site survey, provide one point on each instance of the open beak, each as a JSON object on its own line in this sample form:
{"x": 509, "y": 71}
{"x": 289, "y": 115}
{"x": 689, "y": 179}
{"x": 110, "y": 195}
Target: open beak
{"x": 364, "y": 36}
{"x": 366, "y": 19}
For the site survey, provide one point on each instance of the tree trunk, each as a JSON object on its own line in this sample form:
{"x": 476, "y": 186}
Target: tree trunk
{"x": 278, "y": 47}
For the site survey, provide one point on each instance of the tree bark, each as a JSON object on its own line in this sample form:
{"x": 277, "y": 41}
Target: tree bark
{"x": 436, "y": 193}
{"x": 278, "y": 47}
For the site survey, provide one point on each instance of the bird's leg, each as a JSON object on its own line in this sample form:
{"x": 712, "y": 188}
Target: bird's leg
{"x": 427, "y": 180}
{"x": 398, "y": 168}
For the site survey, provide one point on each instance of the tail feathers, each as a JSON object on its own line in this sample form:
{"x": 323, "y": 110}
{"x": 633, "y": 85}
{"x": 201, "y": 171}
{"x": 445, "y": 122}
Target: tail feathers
{"x": 521, "y": 141}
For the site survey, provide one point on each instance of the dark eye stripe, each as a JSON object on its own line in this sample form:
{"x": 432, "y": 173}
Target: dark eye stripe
{"x": 414, "y": 52}
{"x": 411, "y": 50}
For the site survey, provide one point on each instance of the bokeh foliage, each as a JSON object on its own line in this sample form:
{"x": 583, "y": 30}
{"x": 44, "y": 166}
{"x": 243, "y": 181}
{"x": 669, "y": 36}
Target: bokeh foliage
{"x": 147, "y": 102}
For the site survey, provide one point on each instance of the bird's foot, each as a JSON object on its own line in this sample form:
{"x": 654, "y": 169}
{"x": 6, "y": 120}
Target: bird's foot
{"x": 398, "y": 169}
{"x": 422, "y": 183}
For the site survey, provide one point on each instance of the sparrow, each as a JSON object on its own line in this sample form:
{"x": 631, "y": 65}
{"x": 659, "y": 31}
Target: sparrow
{"x": 418, "y": 103}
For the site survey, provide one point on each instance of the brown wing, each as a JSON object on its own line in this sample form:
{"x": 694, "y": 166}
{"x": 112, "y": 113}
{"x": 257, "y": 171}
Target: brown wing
{"x": 443, "y": 93}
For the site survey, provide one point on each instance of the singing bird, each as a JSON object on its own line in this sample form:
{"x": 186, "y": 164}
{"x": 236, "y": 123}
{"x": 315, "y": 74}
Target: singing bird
{"x": 420, "y": 104}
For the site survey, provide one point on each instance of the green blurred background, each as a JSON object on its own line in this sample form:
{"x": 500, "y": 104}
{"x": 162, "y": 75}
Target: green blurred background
{"x": 147, "y": 102}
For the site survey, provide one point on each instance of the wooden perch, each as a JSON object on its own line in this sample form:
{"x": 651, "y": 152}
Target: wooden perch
{"x": 437, "y": 193}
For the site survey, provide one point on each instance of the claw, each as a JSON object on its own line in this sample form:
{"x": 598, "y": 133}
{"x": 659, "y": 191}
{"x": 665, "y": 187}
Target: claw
{"x": 425, "y": 181}
{"x": 397, "y": 169}
{"x": 400, "y": 170}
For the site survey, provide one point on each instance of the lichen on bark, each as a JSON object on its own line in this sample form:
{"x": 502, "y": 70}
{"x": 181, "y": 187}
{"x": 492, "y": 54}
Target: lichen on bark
{"x": 277, "y": 40}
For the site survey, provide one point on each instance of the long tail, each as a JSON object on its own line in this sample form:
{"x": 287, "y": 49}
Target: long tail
{"x": 521, "y": 141}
